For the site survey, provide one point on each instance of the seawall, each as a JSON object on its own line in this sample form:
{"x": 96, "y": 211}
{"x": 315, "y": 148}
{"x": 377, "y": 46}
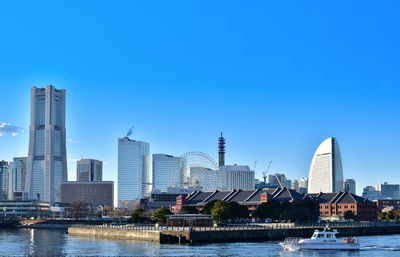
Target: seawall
{"x": 221, "y": 234}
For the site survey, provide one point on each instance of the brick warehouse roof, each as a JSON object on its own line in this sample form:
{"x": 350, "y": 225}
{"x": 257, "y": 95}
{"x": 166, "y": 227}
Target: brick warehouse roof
{"x": 244, "y": 197}
{"x": 340, "y": 197}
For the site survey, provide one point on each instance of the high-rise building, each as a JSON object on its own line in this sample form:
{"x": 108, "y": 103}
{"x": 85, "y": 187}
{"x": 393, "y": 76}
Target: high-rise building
{"x": 133, "y": 169}
{"x": 350, "y": 185}
{"x": 221, "y": 151}
{"x": 10, "y": 180}
{"x": 89, "y": 170}
{"x": 326, "y": 172}
{"x": 163, "y": 167}
{"x": 4, "y": 180}
{"x": 237, "y": 177}
{"x": 47, "y": 156}
{"x": 388, "y": 191}
{"x": 19, "y": 173}
{"x": 371, "y": 193}
{"x": 303, "y": 185}
{"x": 278, "y": 180}
{"x": 294, "y": 184}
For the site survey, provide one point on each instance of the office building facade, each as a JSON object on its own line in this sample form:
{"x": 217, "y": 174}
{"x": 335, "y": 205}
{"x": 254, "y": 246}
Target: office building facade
{"x": 350, "y": 185}
{"x": 303, "y": 185}
{"x": 163, "y": 167}
{"x": 47, "y": 156}
{"x": 388, "y": 191}
{"x": 326, "y": 172}
{"x": 4, "y": 180}
{"x": 95, "y": 193}
{"x": 133, "y": 169}
{"x": 237, "y": 177}
{"x": 89, "y": 170}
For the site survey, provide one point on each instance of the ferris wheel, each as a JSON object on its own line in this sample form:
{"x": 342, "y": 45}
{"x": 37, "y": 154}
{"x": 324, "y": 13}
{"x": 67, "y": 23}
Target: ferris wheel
{"x": 196, "y": 170}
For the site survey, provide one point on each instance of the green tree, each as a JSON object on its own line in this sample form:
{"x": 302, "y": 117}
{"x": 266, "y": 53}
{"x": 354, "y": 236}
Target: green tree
{"x": 159, "y": 215}
{"x": 208, "y": 207}
{"x": 382, "y": 216}
{"x": 270, "y": 209}
{"x": 238, "y": 211}
{"x": 389, "y": 216}
{"x": 221, "y": 211}
{"x": 138, "y": 215}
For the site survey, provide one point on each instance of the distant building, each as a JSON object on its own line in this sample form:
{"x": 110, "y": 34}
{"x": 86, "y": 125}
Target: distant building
{"x": 294, "y": 184}
{"x": 389, "y": 191}
{"x": 19, "y": 173}
{"x": 278, "y": 180}
{"x": 326, "y": 172}
{"x": 10, "y": 180}
{"x": 350, "y": 185}
{"x": 163, "y": 165}
{"x": 47, "y": 155}
{"x": 4, "y": 180}
{"x": 133, "y": 169}
{"x": 93, "y": 192}
{"x": 89, "y": 170}
{"x": 303, "y": 185}
{"x": 371, "y": 193}
{"x": 237, "y": 177}
{"x": 333, "y": 206}
{"x": 24, "y": 209}
{"x": 204, "y": 179}
{"x": 221, "y": 151}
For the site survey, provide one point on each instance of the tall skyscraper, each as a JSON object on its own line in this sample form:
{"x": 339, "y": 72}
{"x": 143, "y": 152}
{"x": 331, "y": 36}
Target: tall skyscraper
{"x": 163, "y": 165}
{"x": 326, "y": 172}
{"x": 4, "y": 180}
{"x": 47, "y": 156}
{"x": 133, "y": 169}
{"x": 237, "y": 177}
{"x": 221, "y": 151}
{"x": 89, "y": 170}
{"x": 278, "y": 180}
{"x": 19, "y": 173}
{"x": 350, "y": 185}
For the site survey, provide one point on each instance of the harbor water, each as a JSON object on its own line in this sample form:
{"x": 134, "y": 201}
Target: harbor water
{"x": 55, "y": 242}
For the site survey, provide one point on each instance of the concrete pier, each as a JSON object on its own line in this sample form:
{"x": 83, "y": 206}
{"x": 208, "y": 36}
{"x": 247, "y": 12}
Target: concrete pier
{"x": 226, "y": 234}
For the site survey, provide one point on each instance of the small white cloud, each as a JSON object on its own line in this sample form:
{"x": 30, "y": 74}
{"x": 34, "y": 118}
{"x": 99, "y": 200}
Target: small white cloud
{"x": 72, "y": 160}
{"x": 106, "y": 163}
{"x": 8, "y": 129}
{"x": 70, "y": 140}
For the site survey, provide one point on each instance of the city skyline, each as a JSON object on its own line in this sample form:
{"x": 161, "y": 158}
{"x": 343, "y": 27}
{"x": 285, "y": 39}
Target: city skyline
{"x": 72, "y": 165}
{"x": 276, "y": 83}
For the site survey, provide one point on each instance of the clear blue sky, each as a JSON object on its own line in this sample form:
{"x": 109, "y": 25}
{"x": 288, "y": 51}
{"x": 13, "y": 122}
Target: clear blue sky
{"x": 277, "y": 77}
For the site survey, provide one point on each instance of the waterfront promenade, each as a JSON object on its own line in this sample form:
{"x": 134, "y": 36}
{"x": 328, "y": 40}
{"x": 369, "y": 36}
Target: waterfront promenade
{"x": 230, "y": 233}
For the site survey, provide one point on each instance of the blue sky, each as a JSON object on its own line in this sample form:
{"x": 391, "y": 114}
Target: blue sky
{"x": 277, "y": 78}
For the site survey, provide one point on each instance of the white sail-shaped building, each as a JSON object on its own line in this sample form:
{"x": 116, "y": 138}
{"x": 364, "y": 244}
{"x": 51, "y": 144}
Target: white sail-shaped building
{"x": 326, "y": 171}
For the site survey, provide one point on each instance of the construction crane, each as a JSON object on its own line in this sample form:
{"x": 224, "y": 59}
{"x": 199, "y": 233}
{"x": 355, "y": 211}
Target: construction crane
{"x": 255, "y": 164}
{"x": 265, "y": 172}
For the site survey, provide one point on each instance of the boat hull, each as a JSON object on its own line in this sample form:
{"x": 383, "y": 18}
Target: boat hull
{"x": 295, "y": 246}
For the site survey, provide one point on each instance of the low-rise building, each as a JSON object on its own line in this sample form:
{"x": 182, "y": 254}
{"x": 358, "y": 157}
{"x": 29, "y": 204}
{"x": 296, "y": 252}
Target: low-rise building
{"x": 250, "y": 198}
{"x": 333, "y": 206}
{"x": 24, "y": 209}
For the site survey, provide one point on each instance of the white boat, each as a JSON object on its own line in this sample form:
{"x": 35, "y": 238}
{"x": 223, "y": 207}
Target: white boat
{"x": 321, "y": 240}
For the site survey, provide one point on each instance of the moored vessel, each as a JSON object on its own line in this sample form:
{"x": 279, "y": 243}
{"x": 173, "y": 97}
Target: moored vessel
{"x": 321, "y": 240}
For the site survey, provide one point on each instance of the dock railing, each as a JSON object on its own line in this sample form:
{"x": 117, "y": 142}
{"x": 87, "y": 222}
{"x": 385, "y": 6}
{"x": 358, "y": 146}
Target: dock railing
{"x": 250, "y": 226}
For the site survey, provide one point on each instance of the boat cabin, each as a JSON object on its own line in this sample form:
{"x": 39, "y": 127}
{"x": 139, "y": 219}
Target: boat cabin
{"x": 324, "y": 236}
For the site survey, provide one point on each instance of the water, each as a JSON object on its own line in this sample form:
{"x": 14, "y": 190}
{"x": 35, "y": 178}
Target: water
{"x": 46, "y": 242}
